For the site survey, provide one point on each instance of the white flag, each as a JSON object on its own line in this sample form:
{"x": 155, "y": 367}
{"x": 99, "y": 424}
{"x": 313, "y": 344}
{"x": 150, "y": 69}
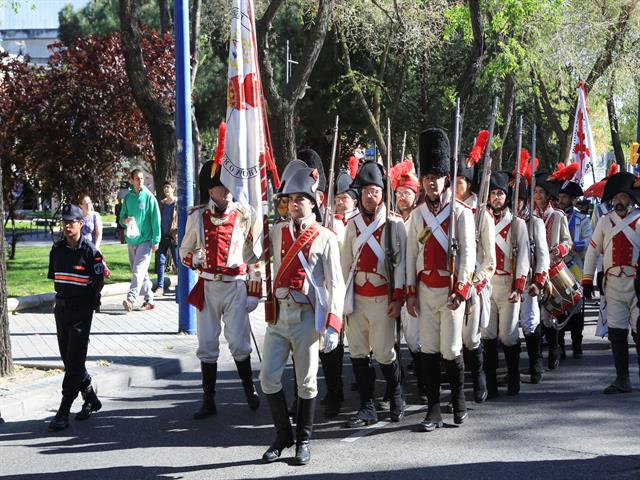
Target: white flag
{"x": 244, "y": 146}
{"x": 583, "y": 150}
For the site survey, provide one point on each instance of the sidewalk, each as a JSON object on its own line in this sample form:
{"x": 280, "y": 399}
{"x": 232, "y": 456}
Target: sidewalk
{"x": 125, "y": 349}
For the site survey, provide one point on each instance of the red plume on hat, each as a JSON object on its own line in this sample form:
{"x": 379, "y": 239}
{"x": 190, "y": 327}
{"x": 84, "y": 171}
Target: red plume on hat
{"x": 354, "y": 163}
{"x": 565, "y": 173}
{"x": 597, "y": 189}
{"x": 524, "y": 161}
{"x": 217, "y": 159}
{"x": 400, "y": 170}
{"x": 615, "y": 168}
{"x": 478, "y": 149}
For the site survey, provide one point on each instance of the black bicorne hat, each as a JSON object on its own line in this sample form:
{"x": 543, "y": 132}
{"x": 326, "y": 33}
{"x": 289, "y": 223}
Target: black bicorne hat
{"x": 572, "y": 189}
{"x": 369, "y": 173}
{"x": 313, "y": 160}
{"x": 500, "y": 181}
{"x": 206, "y": 181}
{"x": 622, "y": 182}
{"x": 552, "y": 187}
{"x": 343, "y": 184}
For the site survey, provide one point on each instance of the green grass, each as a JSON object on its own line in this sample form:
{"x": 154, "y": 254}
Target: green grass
{"x": 27, "y": 274}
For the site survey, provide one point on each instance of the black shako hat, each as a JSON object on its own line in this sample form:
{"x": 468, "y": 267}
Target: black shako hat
{"x": 622, "y": 182}
{"x": 572, "y": 189}
{"x": 369, "y": 173}
{"x": 313, "y": 160}
{"x": 206, "y": 181}
{"x": 434, "y": 154}
{"x": 343, "y": 184}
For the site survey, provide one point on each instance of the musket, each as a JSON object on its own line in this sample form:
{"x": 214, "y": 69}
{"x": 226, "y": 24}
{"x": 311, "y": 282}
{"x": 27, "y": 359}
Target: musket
{"x": 514, "y": 208}
{"x": 328, "y": 215}
{"x": 532, "y": 237}
{"x": 390, "y": 254}
{"x": 452, "y": 249}
{"x": 483, "y": 195}
{"x": 404, "y": 145}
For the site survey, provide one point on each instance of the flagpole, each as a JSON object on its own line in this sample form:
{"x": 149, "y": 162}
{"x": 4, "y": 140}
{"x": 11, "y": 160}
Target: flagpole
{"x": 186, "y": 278}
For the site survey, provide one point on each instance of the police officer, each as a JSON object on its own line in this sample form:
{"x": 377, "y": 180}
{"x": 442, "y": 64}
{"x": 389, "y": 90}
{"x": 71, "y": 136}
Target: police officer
{"x": 309, "y": 289}
{"x": 76, "y": 268}
{"x": 580, "y": 229}
{"x": 217, "y": 242}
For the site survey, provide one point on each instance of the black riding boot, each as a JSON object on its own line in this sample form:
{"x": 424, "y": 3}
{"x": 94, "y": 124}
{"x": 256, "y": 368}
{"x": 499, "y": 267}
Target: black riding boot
{"x": 491, "y": 366}
{"x": 533, "y": 342}
{"x": 512, "y": 356}
{"x": 620, "y": 349}
{"x": 61, "y": 420}
{"x": 332, "y": 367}
{"x": 362, "y": 369}
{"x": 392, "y": 375}
{"x": 91, "y": 403}
{"x": 250, "y": 393}
{"x": 551, "y": 334}
{"x": 419, "y": 373}
{"x": 431, "y": 370}
{"x": 284, "y": 432}
{"x": 577, "y": 327}
{"x": 209, "y": 376}
{"x": 455, "y": 374}
{"x": 304, "y": 427}
{"x": 474, "y": 358}
{"x": 293, "y": 409}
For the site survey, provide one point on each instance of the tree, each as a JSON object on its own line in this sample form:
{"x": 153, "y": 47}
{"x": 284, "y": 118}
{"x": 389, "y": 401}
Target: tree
{"x": 282, "y": 106}
{"x": 6, "y": 360}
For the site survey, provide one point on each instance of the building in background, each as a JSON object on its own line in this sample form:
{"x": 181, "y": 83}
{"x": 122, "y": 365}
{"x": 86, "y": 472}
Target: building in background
{"x": 33, "y": 27}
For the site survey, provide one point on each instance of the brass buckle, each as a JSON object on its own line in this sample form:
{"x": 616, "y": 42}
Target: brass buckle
{"x": 217, "y": 277}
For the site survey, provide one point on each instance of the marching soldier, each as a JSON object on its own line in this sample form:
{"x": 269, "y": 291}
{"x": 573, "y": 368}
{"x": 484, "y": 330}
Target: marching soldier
{"x": 479, "y": 304}
{"x": 406, "y": 186}
{"x": 507, "y": 287}
{"x": 530, "y": 306}
{"x": 218, "y": 243}
{"x": 309, "y": 288}
{"x": 431, "y": 295}
{"x": 370, "y": 311}
{"x": 559, "y": 243}
{"x": 77, "y": 269}
{"x": 580, "y": 230}
{"x": 616, "y": 238}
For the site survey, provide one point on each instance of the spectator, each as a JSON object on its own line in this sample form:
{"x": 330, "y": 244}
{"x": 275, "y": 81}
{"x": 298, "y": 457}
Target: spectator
{"x": 141, "y": 217}
{"x": 92, "y": 226}
{"x": 168, "y": 232}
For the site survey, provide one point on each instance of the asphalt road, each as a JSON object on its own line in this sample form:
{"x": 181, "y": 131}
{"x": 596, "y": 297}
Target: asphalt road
{"x": 563, "y": 428}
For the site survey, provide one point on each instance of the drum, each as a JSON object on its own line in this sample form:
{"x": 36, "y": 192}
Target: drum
{"x": 563, "y": 293}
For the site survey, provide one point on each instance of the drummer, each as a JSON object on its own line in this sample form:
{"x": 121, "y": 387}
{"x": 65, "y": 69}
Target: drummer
{"x": 580, "y": 229}
{"x": 559, "y": 242}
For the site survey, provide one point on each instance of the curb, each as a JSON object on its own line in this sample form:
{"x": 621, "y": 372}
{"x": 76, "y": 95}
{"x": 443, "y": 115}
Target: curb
{"x": 45, "y": 394}
{"x": 28, "y": 302}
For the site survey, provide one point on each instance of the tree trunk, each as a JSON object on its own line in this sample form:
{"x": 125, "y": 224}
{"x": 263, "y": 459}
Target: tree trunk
{"x": 281, "y": 107}
{"x": 166, "y": 24}
{"x": 194, "y": 33}
{"x": 615, "y": 131}
{"x": 467, "y": 79}
{"x": 160, "y": 120}
{"x": 6, "y": 359}
{"x": 507, "y": 114}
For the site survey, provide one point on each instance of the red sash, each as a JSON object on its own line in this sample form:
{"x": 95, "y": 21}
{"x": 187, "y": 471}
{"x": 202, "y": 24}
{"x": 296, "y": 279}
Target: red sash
{"x": 196, "y": 296}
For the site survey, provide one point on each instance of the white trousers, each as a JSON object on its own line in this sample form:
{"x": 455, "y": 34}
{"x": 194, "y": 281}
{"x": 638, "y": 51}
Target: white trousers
{"x": 440, "y": 327}
{"x": 295, "y": 331}
{"x": 622, "y": 302}
{"x": 476, "y": 317}
{"x": 224, "y": 302}
{"x": 371, "y": 330}
{"x": 529, "y": 313}
{"x": 410, "y": 330}
{"x": 505, "y": 316}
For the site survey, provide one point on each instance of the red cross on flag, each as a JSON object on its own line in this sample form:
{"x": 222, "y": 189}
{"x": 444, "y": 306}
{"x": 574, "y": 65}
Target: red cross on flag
{"x": 583, "y": 149}
{"x": 245, "y": 147}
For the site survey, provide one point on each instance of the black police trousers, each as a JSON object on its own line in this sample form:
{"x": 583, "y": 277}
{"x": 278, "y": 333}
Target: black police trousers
{"x": 73, "y": 325}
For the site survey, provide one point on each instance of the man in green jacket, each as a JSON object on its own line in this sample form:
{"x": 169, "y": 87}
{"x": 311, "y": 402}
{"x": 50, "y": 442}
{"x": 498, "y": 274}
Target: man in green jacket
{"x": 140, "y": 216}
